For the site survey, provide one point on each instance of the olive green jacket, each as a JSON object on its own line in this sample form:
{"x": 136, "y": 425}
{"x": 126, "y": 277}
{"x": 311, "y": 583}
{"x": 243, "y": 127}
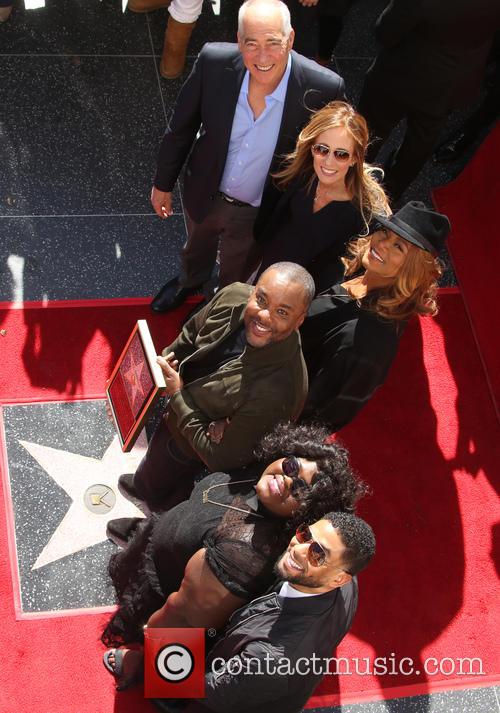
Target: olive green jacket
{"x": 255, "y": 391}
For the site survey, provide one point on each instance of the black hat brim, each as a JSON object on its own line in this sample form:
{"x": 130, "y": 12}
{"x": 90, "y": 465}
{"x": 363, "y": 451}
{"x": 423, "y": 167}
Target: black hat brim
{"x": 406, "y": 232}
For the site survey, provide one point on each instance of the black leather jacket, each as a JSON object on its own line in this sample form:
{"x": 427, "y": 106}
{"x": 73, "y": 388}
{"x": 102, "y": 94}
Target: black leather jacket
{"x": 270, "y": 630}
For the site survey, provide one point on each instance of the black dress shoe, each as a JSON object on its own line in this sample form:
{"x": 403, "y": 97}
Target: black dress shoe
{"x": 121, "y": 529}
{"x": 172, "y": 295}
{"x": 126, "y": 488}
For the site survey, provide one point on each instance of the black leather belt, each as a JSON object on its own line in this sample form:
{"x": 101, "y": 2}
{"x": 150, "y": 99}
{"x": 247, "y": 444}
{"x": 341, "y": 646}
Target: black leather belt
{"x": 233, "y": 201}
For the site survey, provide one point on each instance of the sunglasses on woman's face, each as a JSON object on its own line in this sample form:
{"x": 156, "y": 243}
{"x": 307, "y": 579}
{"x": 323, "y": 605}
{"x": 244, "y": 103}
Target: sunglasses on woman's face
{"x": 316, "y": 555}
{"x": 290, "y": 467}
{"x": 322, "y": 150}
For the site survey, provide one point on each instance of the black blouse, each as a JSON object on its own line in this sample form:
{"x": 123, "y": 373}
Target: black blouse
{"x": 348, "y": 352}
{"x": 314, "y": 240}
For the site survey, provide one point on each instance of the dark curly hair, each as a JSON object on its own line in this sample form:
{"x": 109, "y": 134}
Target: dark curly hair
{"x": 335, "y": 487}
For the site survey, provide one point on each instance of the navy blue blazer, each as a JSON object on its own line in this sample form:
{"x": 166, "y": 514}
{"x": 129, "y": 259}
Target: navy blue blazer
{"x": 203, "y": 116}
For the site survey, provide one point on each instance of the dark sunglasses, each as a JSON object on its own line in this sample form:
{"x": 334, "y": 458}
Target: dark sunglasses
{"x": 316, "y": 555}
{"x": 341, "y": 155}
{"x": 290, "y": 467}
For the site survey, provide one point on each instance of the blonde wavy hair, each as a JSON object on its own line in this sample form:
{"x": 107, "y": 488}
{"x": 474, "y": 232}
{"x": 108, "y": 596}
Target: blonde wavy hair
{"x": 366, "y": 192}
{"x": 414, "y": 288}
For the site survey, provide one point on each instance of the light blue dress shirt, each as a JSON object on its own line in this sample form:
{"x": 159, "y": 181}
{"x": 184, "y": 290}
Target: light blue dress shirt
{"x": 252, "y": 143}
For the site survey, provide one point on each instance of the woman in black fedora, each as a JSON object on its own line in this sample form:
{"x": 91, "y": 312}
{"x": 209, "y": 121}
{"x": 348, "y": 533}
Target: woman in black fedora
{"x": 352, "y": 331}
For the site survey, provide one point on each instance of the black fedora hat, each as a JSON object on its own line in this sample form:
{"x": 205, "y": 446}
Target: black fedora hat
{"x": 423, "y": 227}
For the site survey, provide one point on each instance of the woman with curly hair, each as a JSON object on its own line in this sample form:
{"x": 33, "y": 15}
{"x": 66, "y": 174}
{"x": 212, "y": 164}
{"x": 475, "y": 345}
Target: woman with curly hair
{"x": 196, "y": 563}
{"x": 351, "y": 334}
{"x": 329, "y": 194}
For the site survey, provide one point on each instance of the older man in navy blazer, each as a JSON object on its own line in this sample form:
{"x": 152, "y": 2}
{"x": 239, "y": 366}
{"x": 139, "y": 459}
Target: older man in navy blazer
{"x": 243, "y": 107}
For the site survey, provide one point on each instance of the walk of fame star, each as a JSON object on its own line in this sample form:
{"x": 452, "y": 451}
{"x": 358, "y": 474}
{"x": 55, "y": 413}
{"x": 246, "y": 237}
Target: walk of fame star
{"x": 92, "y": 486}
{"x": 133, "y": 377}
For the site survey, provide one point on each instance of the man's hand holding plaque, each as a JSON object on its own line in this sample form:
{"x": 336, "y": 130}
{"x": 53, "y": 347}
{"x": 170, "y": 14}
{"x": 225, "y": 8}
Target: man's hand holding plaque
{"x": 169, "y": 366}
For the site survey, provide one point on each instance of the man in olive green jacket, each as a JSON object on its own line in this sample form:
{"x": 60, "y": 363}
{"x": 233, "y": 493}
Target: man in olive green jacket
{"x": 232, "y": 374}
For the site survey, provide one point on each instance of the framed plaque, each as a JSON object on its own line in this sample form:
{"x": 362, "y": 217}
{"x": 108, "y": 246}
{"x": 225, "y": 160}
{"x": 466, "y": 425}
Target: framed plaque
{"x": 135, "y": 385}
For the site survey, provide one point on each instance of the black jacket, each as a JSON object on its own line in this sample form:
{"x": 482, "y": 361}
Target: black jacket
{"x": 204, "y": 113}
{"x": 348, "y": 352}
{"x": 271, "y": 629}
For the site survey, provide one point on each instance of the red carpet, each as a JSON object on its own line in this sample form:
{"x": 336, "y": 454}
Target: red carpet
{"x": 428, "y": 445}
{"x": 471, "y": 202}
{"x": 69, "y": 349}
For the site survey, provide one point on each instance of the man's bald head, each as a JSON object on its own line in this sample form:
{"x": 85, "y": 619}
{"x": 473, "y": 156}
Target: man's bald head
{"x": 266, "y": 7}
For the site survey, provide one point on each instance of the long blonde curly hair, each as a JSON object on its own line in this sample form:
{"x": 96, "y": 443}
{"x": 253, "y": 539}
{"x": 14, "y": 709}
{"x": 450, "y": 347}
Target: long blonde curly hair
{"x": 414, "y": 288}
{"x": 367, "y": 194}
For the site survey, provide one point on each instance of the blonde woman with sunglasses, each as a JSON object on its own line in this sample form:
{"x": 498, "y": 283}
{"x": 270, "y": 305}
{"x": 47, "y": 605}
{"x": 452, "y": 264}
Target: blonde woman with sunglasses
{"x": 329, "y": 194}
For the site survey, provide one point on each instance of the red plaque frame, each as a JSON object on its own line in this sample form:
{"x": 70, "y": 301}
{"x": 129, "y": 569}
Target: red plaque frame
{"x": 135, "y": 385}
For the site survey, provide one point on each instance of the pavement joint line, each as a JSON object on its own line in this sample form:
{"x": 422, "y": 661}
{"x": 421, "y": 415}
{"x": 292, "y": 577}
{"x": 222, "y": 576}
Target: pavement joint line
{"x": 496, "y": 697}
{"x": 76, "y": 54}
{"x": 165, "y": 116}
{"x": 87, "y": 215}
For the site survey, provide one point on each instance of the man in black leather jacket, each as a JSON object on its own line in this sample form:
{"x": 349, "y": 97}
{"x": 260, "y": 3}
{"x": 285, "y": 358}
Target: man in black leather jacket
{"x": 275, "y": 650}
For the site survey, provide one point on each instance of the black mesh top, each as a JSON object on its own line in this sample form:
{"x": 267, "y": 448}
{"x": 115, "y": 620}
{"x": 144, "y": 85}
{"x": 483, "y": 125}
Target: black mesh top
{"x": 241, "y": 548}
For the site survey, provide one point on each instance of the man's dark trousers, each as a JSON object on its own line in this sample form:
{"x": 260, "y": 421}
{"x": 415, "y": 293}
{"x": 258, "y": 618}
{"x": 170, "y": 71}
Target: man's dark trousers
{"x": 165, "y": 476}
